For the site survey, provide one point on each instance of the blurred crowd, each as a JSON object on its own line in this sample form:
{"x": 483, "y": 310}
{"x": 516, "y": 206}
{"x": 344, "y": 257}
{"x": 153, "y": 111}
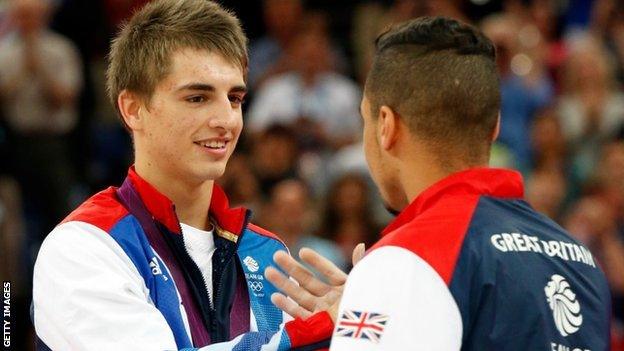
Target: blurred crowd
{"x": 299, "y": 165}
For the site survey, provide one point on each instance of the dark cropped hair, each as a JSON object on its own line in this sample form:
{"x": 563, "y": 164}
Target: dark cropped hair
{"x": 440, "y": 76}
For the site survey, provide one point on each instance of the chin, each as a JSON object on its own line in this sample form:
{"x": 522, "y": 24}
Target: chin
{"x": 211, "y": 172}
{"x": 393, "y": 199}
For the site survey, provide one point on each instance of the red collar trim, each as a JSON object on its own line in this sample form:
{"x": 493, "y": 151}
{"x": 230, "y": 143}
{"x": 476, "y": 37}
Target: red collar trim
{"x": 163, "y": 210}
{"x": 475, "y": 181}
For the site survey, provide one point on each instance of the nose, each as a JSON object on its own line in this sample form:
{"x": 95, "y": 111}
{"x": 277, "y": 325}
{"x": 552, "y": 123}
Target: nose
{"x": 225, "y": 117}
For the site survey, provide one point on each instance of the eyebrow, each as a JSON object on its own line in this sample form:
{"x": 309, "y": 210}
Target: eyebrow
{"x": 210, "y": 88}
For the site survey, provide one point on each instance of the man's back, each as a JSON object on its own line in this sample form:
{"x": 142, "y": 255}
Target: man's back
{"x": 528, "y": 283}
{"x": 470, "y": 265}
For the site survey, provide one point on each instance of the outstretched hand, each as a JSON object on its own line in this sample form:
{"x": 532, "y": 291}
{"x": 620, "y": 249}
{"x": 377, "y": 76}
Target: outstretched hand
{"x": 305, "y": 294}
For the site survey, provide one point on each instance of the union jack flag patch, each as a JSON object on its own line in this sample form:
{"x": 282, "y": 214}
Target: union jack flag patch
{"x": 361, "y": 325}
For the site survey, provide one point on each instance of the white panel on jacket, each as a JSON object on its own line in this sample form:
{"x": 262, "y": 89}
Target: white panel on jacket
{"x": 394, "y": 300}
{"x": 88, "y": 295}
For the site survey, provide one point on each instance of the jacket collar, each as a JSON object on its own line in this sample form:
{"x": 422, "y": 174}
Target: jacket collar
{"x": 230, "y": 221}
{"x": 475, "y": 181}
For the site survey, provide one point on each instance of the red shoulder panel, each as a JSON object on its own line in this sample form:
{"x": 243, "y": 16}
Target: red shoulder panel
{"x": 263, "y": 232}
{"x": 101, "y": 210}
{"x": 437, "y": 234}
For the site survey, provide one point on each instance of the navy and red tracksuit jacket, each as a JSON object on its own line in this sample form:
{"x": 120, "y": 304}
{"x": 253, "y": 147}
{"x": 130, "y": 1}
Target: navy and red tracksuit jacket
{"x": 470, "y": 265}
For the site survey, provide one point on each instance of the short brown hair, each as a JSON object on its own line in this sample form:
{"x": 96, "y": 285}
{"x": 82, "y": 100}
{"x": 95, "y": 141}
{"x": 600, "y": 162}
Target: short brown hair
{"x": 440, "y": 76}
{"x": 140, "y": 55}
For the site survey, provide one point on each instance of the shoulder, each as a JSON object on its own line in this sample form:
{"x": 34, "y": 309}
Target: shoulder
{"x": 388, "y": 282}
{"x": 437, "y": 235}
{"x": 103, "y": 210}
{"x": 77, "y": 250}
{"x": 263, "y": 232}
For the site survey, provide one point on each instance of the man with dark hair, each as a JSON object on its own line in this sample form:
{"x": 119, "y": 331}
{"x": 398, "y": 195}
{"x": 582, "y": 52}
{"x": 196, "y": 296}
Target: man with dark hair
{"x": 467, "y": 264}
{"x": 163, "y": 262}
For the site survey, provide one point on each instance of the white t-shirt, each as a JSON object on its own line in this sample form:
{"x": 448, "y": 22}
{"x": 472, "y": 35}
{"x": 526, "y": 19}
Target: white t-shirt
{"x": 200, "y": 246}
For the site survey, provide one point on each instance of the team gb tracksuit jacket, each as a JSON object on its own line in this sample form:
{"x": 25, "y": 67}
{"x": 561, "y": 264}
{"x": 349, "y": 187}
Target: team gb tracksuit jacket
{"x": 115, "y": 275}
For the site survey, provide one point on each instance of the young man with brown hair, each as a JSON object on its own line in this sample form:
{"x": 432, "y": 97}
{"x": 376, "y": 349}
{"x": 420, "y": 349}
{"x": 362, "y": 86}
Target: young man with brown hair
{"x": 163, "y": 262}
{"x": 466, "y": 264}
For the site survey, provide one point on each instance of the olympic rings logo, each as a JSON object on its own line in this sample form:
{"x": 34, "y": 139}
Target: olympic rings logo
{"x": 256, "y": 286}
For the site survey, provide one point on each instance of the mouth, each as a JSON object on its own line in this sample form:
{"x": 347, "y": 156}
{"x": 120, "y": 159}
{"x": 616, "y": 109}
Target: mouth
{"x": 213, "y": 144}
{"x": 215, "y": 148}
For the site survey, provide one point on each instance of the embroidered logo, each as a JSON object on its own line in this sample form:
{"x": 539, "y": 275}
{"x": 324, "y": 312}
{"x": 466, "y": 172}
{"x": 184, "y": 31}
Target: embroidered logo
{"x": 156, "y": 268}
{"x": 251, "y": 264}
{"x": 566, "y": 308}
{"x": 256, "y": 286}
{"x": 361, "y": 325}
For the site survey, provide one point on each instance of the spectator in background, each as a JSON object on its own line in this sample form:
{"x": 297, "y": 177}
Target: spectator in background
{"x": 267, "y": 55}
{"x": 240, "y": 183}
{"x": 591, "y": 109}
{"x": 552, "y": 183}
{"x": 608, "y": 23}
{"x": 593, "y": 222}
{"x": 319, "y": 103}
{"x": 543, "y": 15}
{"x": 40, "y": 77}
{"x": 547, "y": 141}
{"x": 274, "y": 157}
{"x": 348, "y": 216}
{"x": 371, "y": 18}
{"x": 611, "y": 177}
{"x": 288, "y": 212}
{"x": 525, "y": 86}
{"x": 546, "y": 191}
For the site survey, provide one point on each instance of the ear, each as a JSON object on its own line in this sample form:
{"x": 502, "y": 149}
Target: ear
{"x": 497, "y": 128}
{"x": 130, "y": 105}
{"x": 388, "y": 127}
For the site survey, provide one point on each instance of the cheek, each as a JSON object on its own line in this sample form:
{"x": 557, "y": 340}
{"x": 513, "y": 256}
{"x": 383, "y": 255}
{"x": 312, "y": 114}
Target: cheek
{"x": 237, "y": 130}
{"x": 239, "y": 126}
{"x": 371, "y": 149}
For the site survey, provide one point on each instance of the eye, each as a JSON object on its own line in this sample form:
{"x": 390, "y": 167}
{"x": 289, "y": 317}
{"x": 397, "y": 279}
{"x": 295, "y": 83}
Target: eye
{"x": 196, "y": 99}
{"x": 237, "y": 99}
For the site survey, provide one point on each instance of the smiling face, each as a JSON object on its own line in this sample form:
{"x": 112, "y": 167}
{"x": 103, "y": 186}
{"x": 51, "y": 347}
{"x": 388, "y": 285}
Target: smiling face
{"x": 189, "y": 127}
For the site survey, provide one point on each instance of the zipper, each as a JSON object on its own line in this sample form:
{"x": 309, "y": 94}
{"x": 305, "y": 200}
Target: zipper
{"x": 232, "y": 255}
{"x": 200, "y": 271}
{"x": 211, "y": 310}
{"x": 215, "y": 334}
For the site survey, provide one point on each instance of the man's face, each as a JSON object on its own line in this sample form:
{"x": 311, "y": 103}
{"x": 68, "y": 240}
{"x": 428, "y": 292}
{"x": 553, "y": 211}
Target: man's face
{"x": 193, "y": 120}
{"x": 382, "y": 171}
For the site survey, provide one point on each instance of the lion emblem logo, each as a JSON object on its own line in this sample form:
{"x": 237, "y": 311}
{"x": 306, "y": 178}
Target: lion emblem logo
{"x": 566, "y": 308}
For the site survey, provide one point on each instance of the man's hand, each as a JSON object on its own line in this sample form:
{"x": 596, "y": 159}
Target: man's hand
{"x": 311, "y": 295}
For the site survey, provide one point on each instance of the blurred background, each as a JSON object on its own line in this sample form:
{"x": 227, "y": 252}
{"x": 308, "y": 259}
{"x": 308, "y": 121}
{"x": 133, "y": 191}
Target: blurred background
{"x": 299, "y": 165}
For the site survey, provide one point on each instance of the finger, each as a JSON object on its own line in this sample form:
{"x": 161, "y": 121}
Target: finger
{"x": 302, "y": 275}
{"x": 289, "y": 306}
{"x": 358, "y": 253}
{"x": 334, "y": 275}
{"x": 290, "y": 289}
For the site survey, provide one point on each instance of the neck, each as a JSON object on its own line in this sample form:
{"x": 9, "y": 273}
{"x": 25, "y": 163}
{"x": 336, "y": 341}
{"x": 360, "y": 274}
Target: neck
{"x": 192, "y": 200}
{"x": 413, "y": 186}
{"x": 428, "y": 172}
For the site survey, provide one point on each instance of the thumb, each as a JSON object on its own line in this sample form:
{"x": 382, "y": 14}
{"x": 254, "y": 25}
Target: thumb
{"x": 358, "y": 253}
